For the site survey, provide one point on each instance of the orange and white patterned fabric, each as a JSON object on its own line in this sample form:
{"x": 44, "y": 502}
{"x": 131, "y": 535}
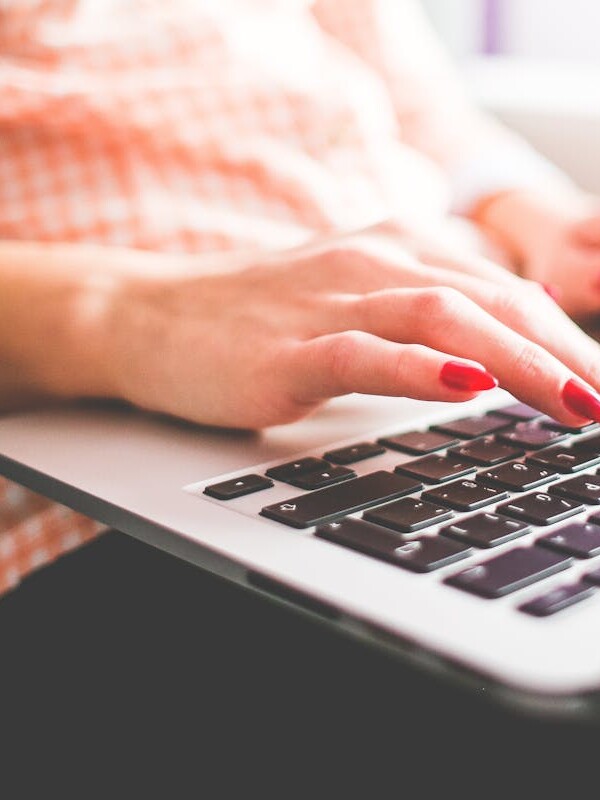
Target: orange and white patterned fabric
{"x": 204, "y": 125}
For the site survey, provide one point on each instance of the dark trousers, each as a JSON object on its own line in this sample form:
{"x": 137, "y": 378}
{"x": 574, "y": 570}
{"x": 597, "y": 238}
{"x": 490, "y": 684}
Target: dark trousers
{"x": 126, "y": 656}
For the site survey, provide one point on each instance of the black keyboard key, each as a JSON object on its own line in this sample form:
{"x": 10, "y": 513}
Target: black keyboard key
{"x": 518, "y": 411}
{"x": 464, "y": 495}
{"x": 291, "y": 470}
{"x": 238, "y": 487}
{"x": 430, "y": 553}
{"x": 555, "y": 425}
{"x": 510, "y": 571}
{"x": 594, "y": 519}
{"x": 517, "y": 476}
{"x": 485, "y": 452}
{"x": 593, "y": 577}
{"x": 323, "y": 477}
{"x": 486, "y": 530}
{"x": 584, "y": 488}
{"x": 540, "y": 508}
{"x": 564, "y": 459}
{"x": 336, "y": 501}
{"x": 579, "y": 539}
{"x": 354, "y": 453}
{"x": 556, "y": 599}
{"x": 590, "y": 444}
{"x": 435, "y": 469}
{"x": 530, "y": 436}
{"x": 473, "y": 427}
{"x": 418, "y": 555}
{"x": 409, "y": 514}
{"x": 357, "y": 534}
{"x": 418, "y": 442}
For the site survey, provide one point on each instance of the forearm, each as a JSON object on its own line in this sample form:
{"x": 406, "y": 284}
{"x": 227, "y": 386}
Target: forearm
{"x": 58, "y": 322}
{"x": 52, "y": 299}
{"x": 70, "y": 314}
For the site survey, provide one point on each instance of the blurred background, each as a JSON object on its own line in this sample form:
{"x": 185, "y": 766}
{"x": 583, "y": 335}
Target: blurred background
{"x": 536, "y": 65}
{"x": 546, "y": 29}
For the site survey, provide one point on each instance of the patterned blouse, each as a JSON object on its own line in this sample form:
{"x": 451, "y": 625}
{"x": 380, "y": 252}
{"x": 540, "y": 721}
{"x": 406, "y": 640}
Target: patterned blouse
{"x": 213, "y": 125}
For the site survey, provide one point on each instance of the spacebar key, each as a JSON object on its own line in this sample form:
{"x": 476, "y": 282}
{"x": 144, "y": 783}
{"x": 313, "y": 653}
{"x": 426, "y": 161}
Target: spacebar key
{"x": 323, "y": 505}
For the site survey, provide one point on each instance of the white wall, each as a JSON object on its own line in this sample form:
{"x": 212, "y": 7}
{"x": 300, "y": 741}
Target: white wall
{"x": 554, "y": 104}
{"x": 459, "y": 22}
{"x": 548, "y": 29}
{"x": 554, "y": 28}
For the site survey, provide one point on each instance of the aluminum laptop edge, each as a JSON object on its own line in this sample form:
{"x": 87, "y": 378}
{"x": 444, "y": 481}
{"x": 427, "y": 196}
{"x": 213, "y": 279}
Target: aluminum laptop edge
{"x": 145, "y": 475}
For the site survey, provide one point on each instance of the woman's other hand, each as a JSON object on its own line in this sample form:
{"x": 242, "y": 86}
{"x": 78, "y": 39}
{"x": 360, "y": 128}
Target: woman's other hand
{"x": 555, "y": 240}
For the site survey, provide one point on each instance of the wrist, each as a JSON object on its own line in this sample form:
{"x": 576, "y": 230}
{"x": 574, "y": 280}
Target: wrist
{"x": 130, "y": 334}
{"x": 86, "y": 335}
{"x": 56, "y": 304}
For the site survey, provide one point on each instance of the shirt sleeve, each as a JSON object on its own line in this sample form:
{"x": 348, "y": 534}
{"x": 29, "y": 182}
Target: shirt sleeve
{"x": 435, "y": 113}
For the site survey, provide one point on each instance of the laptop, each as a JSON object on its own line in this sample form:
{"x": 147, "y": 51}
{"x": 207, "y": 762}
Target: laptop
{"x": 463, "y": 538}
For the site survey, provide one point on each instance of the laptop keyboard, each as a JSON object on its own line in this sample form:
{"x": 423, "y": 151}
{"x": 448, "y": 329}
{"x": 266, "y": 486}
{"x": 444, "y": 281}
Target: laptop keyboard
{"x": 474, "y": 484}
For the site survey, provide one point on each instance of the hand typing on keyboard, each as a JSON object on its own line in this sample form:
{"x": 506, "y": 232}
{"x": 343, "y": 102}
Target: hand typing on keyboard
{"x": 274, "y": 336}
{"x": 256, "y": 341}
{"x": 237, "y": 332}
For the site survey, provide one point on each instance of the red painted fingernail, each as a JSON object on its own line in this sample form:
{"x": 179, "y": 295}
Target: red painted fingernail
{"x": 466, "y": 377}
{"x": 580, "y": 400}
{"x": 555, "y": 292}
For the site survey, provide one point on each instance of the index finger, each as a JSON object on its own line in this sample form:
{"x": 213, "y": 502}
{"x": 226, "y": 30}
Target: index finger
{"x": 526, "y": 308}
{"x": 531, "y": 313}
{"x": 444, "y": 319}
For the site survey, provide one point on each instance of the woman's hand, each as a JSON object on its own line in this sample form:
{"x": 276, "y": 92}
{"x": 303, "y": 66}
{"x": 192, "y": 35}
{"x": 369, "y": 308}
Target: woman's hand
{"x": 555, "y": 240}
{"x": 268, "y": 342}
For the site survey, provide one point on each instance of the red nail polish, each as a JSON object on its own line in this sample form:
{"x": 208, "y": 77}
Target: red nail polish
{"x": 552, "y": 291}
{"x": 580, "y": 400}
{"x": 466, "y": 377}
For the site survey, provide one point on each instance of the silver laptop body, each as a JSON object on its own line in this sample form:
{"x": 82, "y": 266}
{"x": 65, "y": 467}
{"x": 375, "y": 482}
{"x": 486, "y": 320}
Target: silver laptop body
{"x": 146, "y": 476}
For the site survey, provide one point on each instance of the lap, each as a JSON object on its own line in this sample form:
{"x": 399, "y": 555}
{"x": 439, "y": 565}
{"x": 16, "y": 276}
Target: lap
{"x": 127, "y": 643}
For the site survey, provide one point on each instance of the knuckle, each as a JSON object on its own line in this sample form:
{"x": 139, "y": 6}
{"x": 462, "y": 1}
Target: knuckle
{"x": 363, "y": 250}
{"x": 530, "y": 360}
{"x": 413, "y": 353}
{"x": 347, "y": 265}
{"x": 344, "y": 349}
{"x": 369, "y": 309}
{"x": 439, "y": 311}
{"x": 350, "y": 254}
{"x": 440, "y": 302}
{"x": 513, "y": 306}
{"x": 403, "y": 365}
